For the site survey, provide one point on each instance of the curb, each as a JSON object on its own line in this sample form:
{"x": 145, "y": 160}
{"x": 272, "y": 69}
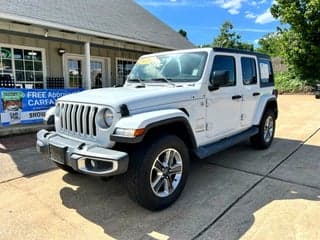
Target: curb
{"x": 23, "y": 129}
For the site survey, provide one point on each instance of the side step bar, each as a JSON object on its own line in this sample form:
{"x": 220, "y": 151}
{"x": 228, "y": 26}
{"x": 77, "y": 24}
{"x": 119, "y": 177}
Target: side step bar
{"x": 206, "y": 151}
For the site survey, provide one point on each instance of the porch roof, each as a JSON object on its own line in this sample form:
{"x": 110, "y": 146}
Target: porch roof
{"x": 115, "y": 19}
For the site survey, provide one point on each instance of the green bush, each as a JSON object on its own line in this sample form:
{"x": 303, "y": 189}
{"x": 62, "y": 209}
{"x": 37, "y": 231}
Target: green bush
{"x": 287, "y": 82}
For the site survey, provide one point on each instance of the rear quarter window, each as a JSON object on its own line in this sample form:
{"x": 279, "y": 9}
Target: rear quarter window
{"x": 266, "y": 73}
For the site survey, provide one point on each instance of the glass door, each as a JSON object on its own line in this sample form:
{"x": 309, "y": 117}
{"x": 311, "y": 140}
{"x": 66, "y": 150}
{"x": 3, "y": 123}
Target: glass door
{"x": 97, "y": 73}
{"x": 75, "y": 73}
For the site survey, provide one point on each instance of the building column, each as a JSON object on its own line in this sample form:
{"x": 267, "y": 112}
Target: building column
{"x": 87, "y": 79}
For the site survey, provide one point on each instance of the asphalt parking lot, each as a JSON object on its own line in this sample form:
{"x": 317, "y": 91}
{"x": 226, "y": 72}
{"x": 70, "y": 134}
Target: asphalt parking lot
{"x": 238, "y": 193}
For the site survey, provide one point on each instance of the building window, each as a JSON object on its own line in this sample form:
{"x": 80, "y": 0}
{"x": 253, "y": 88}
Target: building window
{"x": 124, "y": 68}
{"x": 25, "y": 67}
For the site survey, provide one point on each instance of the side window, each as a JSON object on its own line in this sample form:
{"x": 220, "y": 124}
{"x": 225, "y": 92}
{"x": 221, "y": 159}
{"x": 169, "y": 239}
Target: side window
{"x": 249, "y": 70}
{"x": 266, "y": 73}
{"x": 227, "y": 65}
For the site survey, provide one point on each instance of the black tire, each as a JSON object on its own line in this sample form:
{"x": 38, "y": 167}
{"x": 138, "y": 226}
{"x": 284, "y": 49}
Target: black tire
{"x": 66, "y": 168}
{"x": 142, "y": 169}
{"x": 260, "y": 141}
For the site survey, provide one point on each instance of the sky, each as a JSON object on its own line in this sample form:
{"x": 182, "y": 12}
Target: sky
{"x": 202, "y": 19}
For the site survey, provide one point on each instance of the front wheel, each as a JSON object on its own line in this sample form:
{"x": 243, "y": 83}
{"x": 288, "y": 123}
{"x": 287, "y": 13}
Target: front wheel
{"x": 267, "y": 127}
{"x": 158, "y": 172}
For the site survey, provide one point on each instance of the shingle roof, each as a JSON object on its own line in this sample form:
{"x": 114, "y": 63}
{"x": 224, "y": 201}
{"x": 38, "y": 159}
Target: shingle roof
{"x": 122, "y": 18}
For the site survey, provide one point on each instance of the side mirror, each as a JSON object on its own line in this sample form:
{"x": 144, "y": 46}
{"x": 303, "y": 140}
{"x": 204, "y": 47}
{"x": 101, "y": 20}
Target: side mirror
{"x": 219, "y": 78}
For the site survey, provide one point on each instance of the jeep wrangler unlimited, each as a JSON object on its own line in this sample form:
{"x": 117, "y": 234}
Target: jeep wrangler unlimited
{"x": 197, "y": 101}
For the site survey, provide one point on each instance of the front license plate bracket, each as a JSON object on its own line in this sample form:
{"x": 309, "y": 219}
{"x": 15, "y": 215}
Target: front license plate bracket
{"x": 57, "y": 154}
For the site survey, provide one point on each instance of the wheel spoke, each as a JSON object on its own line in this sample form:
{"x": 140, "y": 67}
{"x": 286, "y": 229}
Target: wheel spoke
{"x": 167, "y": 185}
{"x": 156, "y": 181}
{"x": 167, "y": 158}
{"x": 158, "y": 185}
{"x": 172, "y": 156}
{"x": 267, "y": 135}
{"x": 158, "y": 166}
{"x": 175, "y": 169}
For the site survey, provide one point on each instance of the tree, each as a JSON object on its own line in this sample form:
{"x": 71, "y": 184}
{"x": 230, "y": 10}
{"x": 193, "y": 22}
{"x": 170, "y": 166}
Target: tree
{"x": 270, "y": 44}
{"x": 246, "y": 46}
{"x": 300, "y": 40}
{"x": 183, "y": 33}
{"x": 228, "y": 38}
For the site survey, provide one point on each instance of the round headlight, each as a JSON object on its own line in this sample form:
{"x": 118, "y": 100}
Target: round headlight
{"x": 108, "y": 117}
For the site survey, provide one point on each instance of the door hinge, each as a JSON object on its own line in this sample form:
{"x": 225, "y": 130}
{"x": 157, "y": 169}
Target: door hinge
{"x": 242, "y": 117}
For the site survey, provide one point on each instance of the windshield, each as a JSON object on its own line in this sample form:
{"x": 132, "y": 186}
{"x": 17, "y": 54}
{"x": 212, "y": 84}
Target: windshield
{"x": 175, "y": 67}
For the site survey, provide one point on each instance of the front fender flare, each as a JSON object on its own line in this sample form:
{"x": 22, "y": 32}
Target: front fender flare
{"x": 147, "y": 121}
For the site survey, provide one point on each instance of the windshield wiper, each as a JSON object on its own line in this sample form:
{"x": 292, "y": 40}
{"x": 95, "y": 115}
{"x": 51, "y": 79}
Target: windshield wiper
{"x": 163, "y": 79}
{"x": 136, "y": 80}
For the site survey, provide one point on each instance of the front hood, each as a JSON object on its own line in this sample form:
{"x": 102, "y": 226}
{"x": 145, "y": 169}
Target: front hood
{"x": 134, "y": 98}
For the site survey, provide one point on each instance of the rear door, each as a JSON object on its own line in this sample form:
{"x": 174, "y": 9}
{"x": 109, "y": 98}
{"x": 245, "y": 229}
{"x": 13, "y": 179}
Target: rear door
{"x": 250, "y": 90}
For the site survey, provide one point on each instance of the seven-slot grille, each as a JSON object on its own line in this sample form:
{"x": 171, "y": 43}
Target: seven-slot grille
{"x": 78, "y": 119}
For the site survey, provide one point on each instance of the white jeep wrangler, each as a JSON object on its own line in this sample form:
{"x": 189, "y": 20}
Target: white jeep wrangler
{"x": 197, "y": 101}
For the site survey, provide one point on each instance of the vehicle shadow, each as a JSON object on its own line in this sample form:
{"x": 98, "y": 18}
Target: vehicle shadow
{"x": 227, "y": 195}
{"x": 19, "y": 157}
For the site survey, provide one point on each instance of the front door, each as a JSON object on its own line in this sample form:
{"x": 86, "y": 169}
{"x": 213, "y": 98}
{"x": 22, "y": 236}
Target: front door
{"x": 75, "y": 72}
{"x": 224, "y": 104}
{"x": 97, "y": 73}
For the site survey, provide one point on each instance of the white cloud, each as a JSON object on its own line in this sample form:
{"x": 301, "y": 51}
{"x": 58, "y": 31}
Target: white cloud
{"x": 233, "y": 6}
{"x": 262, "y": 2}
{"x": 257, "y": 3}
{"x": 250, "y": 15}
{"x": 265, "y": 17}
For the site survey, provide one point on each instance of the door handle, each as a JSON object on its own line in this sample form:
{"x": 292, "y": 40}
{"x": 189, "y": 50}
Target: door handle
{"x": 236, "y": 97}
{"x": 255, "y": 94}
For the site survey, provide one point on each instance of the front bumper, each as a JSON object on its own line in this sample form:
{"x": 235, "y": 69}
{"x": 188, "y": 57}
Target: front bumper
{"x": 84, "y": 158}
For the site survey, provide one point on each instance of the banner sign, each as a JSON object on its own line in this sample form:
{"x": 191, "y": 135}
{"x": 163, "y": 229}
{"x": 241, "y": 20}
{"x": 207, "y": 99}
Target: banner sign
{"x": 18, "y": 105}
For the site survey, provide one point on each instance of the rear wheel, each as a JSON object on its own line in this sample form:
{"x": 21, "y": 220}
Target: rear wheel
{"x": 158, "y": 172}
{"x": 267, "y": 127}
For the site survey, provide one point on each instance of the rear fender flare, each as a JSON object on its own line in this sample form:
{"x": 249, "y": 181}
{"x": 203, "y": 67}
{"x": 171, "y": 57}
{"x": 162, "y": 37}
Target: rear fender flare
{"x": 262, "y": 105}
